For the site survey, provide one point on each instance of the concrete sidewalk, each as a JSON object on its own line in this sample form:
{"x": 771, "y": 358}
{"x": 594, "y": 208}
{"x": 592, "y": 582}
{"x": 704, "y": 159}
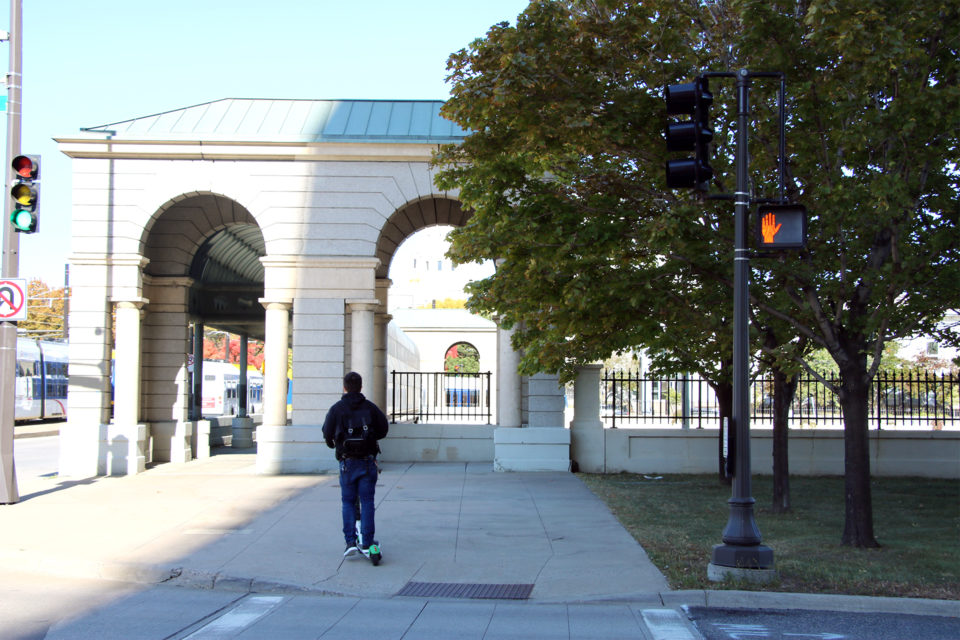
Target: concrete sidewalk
{"x": 216, "y": 525}
{"x": 216, "y": 522}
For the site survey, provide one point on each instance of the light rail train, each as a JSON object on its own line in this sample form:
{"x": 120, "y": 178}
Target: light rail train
{"x": 41, "y": 381}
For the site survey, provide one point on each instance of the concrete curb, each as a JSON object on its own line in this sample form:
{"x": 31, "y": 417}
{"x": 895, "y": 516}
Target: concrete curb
{"x": 38, "y": 431}
{"x": 810, "y": 601}
{"x": 140, "y": 573}
{"x": 97, "y": 569}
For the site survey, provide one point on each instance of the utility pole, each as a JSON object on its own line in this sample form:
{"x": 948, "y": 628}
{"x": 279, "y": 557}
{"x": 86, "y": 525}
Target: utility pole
{"x": 10, "y": 264}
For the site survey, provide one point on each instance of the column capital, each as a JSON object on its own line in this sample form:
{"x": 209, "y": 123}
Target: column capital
{"x": 130, "y": 303}
{"x": 275, "y": 304}
{"x": 593, "y": 366}
{"x": 364, "y": 304}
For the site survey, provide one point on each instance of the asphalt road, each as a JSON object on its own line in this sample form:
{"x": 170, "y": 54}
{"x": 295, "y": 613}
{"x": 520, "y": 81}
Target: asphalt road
{"x": 740, "y": 624}
{"x": 36, "y": 456}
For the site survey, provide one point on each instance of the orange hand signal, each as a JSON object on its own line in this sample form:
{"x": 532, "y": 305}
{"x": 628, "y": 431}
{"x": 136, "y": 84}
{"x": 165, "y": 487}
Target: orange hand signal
{"x": 769, "y": 228}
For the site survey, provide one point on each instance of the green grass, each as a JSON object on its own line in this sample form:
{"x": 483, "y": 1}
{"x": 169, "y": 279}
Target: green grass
{"x": 678, "y": 518}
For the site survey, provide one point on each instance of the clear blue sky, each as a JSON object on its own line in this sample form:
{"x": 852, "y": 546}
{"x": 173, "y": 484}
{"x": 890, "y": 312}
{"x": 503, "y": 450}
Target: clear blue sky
{"x": 92, "y": 63}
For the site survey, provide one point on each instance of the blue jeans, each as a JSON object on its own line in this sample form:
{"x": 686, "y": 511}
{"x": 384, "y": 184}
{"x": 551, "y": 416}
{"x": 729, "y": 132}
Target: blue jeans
{"x": 358, "y": 478}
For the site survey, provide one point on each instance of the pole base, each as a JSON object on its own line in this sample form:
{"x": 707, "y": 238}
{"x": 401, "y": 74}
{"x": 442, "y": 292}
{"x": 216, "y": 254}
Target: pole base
{"x": 742, "y": 556}
{"x": 716, "y": 573}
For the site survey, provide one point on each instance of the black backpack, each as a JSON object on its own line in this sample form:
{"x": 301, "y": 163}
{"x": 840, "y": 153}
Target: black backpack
{"x": 358, "y": 441}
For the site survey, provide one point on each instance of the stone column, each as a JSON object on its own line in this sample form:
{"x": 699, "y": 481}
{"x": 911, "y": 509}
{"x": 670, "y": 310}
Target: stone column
{"x": 124, "y": 441}
{"x": 362, "y": 340}
{"x": 380, "y": 360}
{"x": 586, "y": 429}
{"x": 508, "y": 380}
{"x": 277, "y": 329}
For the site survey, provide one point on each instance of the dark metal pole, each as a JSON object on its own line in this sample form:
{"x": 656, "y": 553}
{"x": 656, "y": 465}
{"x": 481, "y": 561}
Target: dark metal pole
{"x": 10, "y": 266}
{"x": 196, "y": 407}
{"x": 741, "y": 536}
{"x": 242, "y": 387}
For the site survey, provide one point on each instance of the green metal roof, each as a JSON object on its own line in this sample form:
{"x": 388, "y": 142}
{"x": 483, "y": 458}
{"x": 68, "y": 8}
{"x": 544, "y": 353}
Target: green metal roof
{"x": 268, "y": 120}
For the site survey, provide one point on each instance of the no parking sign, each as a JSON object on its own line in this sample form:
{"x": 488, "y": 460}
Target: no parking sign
{"x": 13, "y": 299}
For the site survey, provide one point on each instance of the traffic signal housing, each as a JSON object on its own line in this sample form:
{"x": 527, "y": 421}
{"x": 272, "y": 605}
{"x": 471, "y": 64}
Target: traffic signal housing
{"x": 693, "y": 99}
{"x": 25, "y": 192}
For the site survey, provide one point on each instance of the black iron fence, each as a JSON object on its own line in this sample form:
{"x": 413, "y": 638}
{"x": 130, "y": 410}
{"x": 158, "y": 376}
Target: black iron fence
{"x": 439, "y": 397}
{"x": 902, "y": 399}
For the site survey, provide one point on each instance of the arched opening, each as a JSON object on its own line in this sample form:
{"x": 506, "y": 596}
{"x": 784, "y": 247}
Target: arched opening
{"x": 461, "y": 357}
{"x": 425, "y": 295}
{"x": 203, "y": 279}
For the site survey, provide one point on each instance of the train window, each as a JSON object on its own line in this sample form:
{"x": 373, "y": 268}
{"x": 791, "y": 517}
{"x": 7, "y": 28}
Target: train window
{"x": 27, "y": 368}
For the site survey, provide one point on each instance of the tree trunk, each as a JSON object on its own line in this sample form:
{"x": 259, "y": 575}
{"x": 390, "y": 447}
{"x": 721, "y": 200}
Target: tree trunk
{"x": 858, "y": 516}
{"x": 784, "y": 389}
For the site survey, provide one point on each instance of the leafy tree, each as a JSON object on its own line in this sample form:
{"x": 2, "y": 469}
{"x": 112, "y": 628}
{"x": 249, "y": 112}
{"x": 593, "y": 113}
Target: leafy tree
{"x": 44, "y": 311}
{"x": 215, "y": 346}
{"x": 446, "y": 303}
{"x": 564, "y": 173}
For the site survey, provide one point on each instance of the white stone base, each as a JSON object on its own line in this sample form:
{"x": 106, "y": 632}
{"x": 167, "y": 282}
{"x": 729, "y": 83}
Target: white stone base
{"x": 200, "y": 441}
{"x": 531, "y": 449}
{"x": 172, "y": 441}
{"x": 438, "y": 443}
{"x": 79, "y": 449}
{"x": 122, "y": 450}
{"x": 285, "y": 449}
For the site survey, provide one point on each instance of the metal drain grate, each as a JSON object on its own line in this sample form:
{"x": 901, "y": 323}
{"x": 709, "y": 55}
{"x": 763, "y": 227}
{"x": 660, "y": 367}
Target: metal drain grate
{"x": 466, "y": 590}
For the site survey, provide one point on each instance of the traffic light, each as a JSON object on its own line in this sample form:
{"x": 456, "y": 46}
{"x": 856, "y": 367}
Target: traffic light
{"x": 781, "y": 226}
{"x": 25, "y": 191}
{"x": 693, "y": 99}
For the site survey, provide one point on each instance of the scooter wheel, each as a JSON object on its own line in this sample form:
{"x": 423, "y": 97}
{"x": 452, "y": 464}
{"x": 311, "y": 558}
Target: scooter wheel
{"x": 375, "y": 556}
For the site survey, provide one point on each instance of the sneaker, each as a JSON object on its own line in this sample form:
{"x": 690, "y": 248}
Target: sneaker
{"x": 351, "y": 549}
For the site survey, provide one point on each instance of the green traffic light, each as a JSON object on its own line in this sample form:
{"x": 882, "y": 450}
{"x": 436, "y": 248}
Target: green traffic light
{"x": 23, "y": 220}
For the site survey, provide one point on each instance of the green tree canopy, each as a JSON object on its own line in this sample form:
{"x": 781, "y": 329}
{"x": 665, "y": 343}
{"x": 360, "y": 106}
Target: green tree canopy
{"x": 563, "y": 171}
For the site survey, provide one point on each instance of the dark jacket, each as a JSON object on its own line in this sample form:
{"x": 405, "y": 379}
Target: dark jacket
{"x": 352, "y": 408}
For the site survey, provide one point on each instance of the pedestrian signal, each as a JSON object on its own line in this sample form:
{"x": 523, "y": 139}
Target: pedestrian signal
{"x": 782, "y": 226}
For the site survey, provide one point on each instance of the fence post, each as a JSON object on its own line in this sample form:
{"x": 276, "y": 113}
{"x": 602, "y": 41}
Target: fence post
{"x": 876, "y": 381}
{"x": 393, "y": 397}
{"x": 613, "y": 399}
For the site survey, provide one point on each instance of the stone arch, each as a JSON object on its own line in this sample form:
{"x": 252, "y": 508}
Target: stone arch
{"x": 181, "y": 226}
{"x": 412, "y": 217}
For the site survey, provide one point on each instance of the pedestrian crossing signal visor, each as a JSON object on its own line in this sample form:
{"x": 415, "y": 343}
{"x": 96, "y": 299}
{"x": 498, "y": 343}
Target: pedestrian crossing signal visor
{"x": 781, "y": 226}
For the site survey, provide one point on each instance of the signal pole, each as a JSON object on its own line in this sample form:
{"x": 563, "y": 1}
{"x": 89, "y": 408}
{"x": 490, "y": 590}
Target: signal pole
{"x": 10, "y": 264}
{"x": 741, "y": 553}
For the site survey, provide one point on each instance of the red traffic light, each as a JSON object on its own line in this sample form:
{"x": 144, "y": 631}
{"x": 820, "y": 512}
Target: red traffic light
{"x": 27, "y": 167}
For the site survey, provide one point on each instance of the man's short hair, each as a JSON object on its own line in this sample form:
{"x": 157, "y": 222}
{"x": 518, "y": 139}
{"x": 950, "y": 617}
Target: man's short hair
{"x": 352, "y": 382}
